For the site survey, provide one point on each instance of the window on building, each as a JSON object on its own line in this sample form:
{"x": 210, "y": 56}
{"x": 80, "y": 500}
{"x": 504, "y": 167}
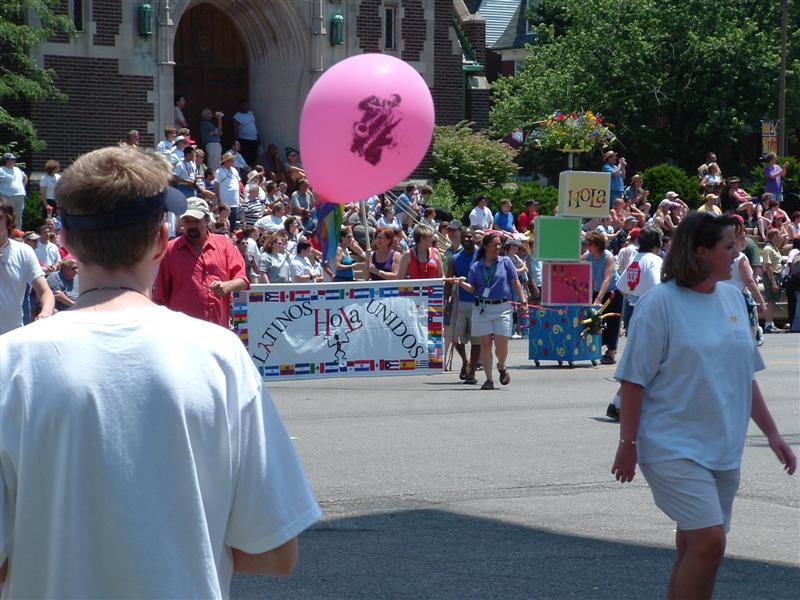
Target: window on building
{"x": 389, "y": 27}
{"x": 77, "y": 14}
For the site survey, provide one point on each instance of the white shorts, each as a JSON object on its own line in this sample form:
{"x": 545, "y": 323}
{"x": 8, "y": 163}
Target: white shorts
{"x": 692, "y": 495}
{"x": 494, "y": 319}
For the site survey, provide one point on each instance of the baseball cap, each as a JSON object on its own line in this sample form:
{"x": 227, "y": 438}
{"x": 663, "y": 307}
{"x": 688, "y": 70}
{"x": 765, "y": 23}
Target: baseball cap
{"x": 634, "y": 233}
{"x": 454, "y": 224}
{"x": 9, "y": 156}
{"x": 196, "y": 208}
{"x": 671, "y": 195}
{"x": 666, "y": 202}
{"x": 32, "y": 236}
{"x": 631, "y": 218}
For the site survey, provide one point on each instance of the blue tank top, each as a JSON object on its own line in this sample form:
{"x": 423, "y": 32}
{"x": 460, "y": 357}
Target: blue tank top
{"x": 348, "y": 274}
{"x": 599, "y": 272}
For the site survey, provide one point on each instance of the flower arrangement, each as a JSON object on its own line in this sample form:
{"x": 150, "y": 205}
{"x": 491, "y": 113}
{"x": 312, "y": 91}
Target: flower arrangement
{"x": 572, "y": 132}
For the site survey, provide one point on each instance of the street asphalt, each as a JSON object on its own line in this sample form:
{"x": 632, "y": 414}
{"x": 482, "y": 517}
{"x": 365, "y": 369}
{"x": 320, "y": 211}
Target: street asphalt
{"x": 434, "y": 489}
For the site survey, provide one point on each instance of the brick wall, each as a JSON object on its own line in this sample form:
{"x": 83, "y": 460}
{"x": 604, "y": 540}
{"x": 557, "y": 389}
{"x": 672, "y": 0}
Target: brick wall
{"x": 414, "y": 29}
{"x": 103, "y": 105}
{"x": 107, "y": 15}
{"x": 368, "y": 25}
{"x": 448, "y": 75}
{"x": 62, "y": 8}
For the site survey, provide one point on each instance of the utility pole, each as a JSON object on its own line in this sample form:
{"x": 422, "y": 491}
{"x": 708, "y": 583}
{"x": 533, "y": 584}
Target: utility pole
{"x": 782, "y": 84}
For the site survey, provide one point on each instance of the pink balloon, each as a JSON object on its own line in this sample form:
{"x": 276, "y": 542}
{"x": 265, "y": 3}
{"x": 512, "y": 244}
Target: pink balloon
{"x": 366, "y": 125}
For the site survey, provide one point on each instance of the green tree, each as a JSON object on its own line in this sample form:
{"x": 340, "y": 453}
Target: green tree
{"x": 21, "y": 79}
{"x": 469, "y": 161}
{"x": 677, "y": 77}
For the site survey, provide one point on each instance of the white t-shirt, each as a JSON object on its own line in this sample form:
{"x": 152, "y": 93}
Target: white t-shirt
{"x": 481, "y": 218}
{"x": 47, "y": 253}
{"x": 247, "y": 125}
{"x": 641, "y": 276}
{"x": 301, "y": 265}
{"x": 19, "y": 267}
{"x": 12, "y": 181}
{"x": 50, "y": 182}
{"x": 625, "y": 256}
{"x": 270, "y": 223}
{"x": 139, "y": 495}
{"x": 696, "y": 358}
{"x": 736, "y": 273}
{"x": 227, "y": 179}
{"x": 165, "y": 147}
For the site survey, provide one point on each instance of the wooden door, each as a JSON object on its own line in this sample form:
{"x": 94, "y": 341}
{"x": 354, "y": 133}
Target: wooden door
{"x": 210, "y": 67}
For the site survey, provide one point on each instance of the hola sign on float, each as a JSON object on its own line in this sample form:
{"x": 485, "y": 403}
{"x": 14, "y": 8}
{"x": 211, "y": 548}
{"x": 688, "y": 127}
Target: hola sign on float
{"x": 584, "y": 194}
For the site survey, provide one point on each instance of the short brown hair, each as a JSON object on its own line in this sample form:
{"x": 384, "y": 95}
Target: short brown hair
{"x": 683, "y": 262}
{"x": 387, "y": 231}
{"x": 169, "y": 131}
{"x": 11, "y": 216}
{"x": 101, "y": 181}
{"x": 597, "y": 239}
{"x": 51, "y": 166}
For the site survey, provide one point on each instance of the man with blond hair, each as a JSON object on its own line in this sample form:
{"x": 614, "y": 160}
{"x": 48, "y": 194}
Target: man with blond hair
{"x": 142, "y": 457}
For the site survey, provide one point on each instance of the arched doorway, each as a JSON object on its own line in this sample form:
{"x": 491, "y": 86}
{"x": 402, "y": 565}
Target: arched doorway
{"x": 211, "y": 69}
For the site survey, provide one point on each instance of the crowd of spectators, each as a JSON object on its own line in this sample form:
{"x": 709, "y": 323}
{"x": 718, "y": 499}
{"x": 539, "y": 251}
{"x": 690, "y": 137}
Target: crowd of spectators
{"x": 265, "y": 206}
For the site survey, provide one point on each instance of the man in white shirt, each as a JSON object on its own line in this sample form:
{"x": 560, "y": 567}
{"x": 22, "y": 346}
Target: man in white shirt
{"x": 166, "y": 145}
{"x": 19, "y": 268}
{"x": 481, "y": 216}
{"x": 46, "y": 251}
{"x": 186, "y": 173}
{"x": 12, "y": 185}
{"x": 245, "y": 130}
{"x": 175, "y": 156}
{"x": 302, "y": 269}
{"x": 165, "y": 467}
{"x": 227, "y": 180}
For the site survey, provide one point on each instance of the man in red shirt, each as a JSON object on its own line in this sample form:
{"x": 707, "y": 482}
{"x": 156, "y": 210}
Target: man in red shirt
{"x": 200, "y": 270}
{"x": 527, "y": 216}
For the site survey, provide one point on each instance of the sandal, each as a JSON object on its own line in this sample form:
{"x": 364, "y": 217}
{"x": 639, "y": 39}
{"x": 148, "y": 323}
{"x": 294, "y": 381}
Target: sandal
{"x": 607, "y": 360}
{"x": 505, "y": 378}
{"x": 488, "y": 385}
{"x": 464, "y": 369}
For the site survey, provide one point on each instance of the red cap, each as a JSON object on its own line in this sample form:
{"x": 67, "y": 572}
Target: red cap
{"x": 634, "y": 233}
{"x": 739, "y": 218}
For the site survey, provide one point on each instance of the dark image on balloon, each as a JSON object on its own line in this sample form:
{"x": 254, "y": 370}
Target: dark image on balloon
{"x": 366, "y": 125}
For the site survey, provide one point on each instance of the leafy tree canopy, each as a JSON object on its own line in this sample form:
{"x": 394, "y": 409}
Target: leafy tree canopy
{"x": 21, "y": 79}
{"x": 677, "y": 77}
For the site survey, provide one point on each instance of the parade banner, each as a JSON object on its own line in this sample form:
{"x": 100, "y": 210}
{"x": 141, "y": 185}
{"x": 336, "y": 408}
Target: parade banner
{"x": 584, "y": 194}
{"x": 346, "y": 329}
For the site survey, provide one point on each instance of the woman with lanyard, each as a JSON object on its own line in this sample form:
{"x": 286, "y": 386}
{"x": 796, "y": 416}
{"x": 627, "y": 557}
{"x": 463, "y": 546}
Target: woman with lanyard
{"x": 688, "y": 393}
{"x": 491, "y": 280}
{"x": 423, "y": 260}
{"x": 604, "y": 283}
{"x": 384, "y": 261}
{"x": 343, "y": 261}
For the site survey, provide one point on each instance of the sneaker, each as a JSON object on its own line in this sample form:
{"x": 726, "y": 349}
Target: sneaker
{"x": 516, "y": 336}
{"x": 612, "y": 412}
{"x": 772, "y": 329}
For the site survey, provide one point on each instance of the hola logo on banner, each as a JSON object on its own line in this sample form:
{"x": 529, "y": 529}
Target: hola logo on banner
{"x": 584, "y": 194}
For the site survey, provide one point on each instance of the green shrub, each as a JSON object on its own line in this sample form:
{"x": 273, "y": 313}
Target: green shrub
{"x": 33, "y": 215}
{"x": 664, "y": 178}
{"x": 469, "y": 160}
{"x": 790, "y": 182}
{"x": 443, "y": 197}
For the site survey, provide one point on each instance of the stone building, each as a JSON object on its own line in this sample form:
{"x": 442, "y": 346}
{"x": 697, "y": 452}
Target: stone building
{"x": 123, "y": 70}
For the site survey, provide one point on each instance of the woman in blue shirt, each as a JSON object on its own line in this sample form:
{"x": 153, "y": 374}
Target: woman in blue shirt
{"x": 604, "y": 283}
{"x": 491, "y": 280}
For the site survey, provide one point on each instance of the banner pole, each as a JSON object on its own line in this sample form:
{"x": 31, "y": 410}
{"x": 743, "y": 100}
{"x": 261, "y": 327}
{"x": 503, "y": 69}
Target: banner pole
{"x": 366, "y": 224}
